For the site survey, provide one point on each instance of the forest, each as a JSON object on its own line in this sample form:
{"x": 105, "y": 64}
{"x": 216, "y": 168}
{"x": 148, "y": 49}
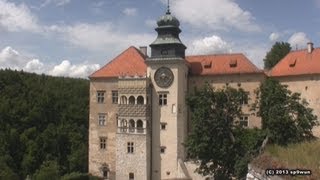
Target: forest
{"x": 43, "y": 126}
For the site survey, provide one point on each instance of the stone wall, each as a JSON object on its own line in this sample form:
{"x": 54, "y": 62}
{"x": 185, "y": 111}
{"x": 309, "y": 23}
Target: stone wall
{"x": 137, "y": 162}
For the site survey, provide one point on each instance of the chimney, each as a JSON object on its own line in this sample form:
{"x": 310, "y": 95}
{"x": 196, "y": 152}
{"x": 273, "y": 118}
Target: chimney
{"x": 310, "y": 47}
{"x": 143, "y": 50}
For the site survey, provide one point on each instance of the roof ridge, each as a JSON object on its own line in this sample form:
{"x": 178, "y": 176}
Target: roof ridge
{"x": 219, "y": 54}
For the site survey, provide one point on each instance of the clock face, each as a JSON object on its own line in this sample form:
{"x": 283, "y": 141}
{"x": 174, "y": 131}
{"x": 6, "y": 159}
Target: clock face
{"x": 163, "y": 77}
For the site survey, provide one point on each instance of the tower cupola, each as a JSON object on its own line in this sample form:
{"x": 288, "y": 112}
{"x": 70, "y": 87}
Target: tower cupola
{"x": 167, "y": 44}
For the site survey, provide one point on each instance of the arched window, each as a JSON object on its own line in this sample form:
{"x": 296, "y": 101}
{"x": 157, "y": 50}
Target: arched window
{"x": 131, "y": 125}
{"x": 139, "y": 126}
{"x": 131, "y": 100}
{"x": 123, "y": 125}
{"x": 123, "y": 100}
{"x": 140, "y": 100}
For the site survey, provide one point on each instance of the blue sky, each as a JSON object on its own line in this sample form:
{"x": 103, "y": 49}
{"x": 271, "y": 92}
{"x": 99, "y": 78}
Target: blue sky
{"x": 74, "y": 38}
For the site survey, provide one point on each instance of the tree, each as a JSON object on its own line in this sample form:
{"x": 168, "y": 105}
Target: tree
{"x": 216, "y": 142}
{"x": 285, "y": 116}
{"x": 278, "y": 51}
{"x": 49, "y": 170}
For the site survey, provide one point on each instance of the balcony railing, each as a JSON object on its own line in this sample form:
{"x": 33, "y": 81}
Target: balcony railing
{"x": 131, "y": 130}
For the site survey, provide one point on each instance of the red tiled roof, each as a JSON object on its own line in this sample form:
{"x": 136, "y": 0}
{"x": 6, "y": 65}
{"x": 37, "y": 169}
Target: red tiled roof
{"x": 128, "y": 63}
{"x": 298, "y": 63}
{"x": 131, "y": 63}
{"x": 221, "y": 64}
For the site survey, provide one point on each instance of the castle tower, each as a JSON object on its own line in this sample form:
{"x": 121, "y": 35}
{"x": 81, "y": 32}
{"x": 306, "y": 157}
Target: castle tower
{"x": 168, "y": 72}
{"x": 133, "y": 129}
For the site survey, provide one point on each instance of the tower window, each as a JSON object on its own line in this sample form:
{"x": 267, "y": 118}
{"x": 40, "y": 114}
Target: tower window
{"x": 102, "y": 119}
{"x": 140, "y": 100}
{"x": 100, "y": 96}
{"x": 130, "y": 147}
{"x": 243, "y": 121}
{"x": 131, "y": 176}
{"x": 244, "y": 98}
{"x": 162, "y": 99}
{"x": 163, "y": 126}
{"x": 103, "y": 142}
{"x": 114, "y": 97}
{"x": 162, "y": 149}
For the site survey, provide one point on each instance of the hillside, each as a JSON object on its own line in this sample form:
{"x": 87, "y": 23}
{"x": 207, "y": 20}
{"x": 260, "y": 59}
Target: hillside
{"x": 43, "y": 121}
{"x": 300, "y": 156}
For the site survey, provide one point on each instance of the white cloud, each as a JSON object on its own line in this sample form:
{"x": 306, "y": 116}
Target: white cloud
{"x": 274, "y": 36}
{"x": 65, "y": 68}
{"x": 214, "y": 14}
{"x": 99, "y": 37}
{"x": 12, "y": 59}
{"x": 151, "y": 23}
{"x": 35, "y": 65}
{"x": 17, "y": 17}
{"x": 209, "y": 45}
{"x": 298, "y": 40}
{"x": 130, "y": 11}
{"x": 55, "y": 2}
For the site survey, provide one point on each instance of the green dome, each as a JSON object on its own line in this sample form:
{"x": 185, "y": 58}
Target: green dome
{"x": 168, "y": 20}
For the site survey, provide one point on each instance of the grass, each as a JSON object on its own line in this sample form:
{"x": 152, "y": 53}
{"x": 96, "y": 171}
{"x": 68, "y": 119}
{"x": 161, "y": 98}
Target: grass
{"x": 304, "y": 155}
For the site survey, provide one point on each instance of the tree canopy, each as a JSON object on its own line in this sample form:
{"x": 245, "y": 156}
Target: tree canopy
{"x": 42, "y": 119}
{"x": 217, "y": 142}
{"x": 286, "y": 117}
{"x": 278, "y": 51}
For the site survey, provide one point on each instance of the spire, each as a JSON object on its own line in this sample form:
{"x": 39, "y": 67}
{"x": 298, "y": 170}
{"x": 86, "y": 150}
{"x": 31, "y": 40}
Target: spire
{"x": 168, "y": 9}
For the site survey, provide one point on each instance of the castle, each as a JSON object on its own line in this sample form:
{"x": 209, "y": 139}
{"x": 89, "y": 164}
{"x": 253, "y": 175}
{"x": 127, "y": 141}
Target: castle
{"x": 138, "y": 114}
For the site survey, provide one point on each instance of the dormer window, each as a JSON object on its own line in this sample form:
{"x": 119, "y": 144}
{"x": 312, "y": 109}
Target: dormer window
{"x": 207, "y": 64}
{"x": 233, "y": 63}
{"x": 292, "y": 62}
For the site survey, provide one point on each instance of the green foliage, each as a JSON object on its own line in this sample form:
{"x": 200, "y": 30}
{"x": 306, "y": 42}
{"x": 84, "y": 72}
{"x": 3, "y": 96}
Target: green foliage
{"x": 43, "y": 118}
{"x": 285, "y": 116}
{"x": 79, "y": 176}
{"x": 6, "y": 172}
{"x": 278, "y": 51}
{"x": 220, "y": 146}
{"x": 49, "y": 170}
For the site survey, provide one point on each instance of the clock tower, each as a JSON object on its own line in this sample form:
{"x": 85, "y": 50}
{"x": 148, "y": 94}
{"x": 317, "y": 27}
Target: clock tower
{"x": 168, "y": 71}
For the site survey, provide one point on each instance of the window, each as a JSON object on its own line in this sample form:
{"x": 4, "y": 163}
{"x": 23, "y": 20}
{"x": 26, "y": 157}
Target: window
{"x": 243, "y": 121}
{"x": 140, "y": 100}
{"x": 162, "y": 99}
{"x": 130, "y": 147}
{"x": 114, "y": 97}
{"x": 244, "y": 98}
{"x": 123, "y": 125}
{"x": 139, "y": 126}
{"x": 102, "y": 119}
{"x": 123, "y": 100}
{"x": 162, "y": 149}
{"x": 103, "y": 143}
{"x": 131, "y": 125}
{"x": 163, "y": 126}
{"x": 131, "y": 100}
{"x": 131, "y": 176}
{"x": 100, "y": 96}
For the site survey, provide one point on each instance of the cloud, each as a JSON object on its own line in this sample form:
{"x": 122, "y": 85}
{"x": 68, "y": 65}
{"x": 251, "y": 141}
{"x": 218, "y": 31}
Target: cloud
{"x": 16, "y": 18}
{"x": 101, "y": 36}
{"x": 65, "y": 68}
{"x": 12, "y": 59}
{"x": 274, "y": 36}
{"x": 209, "y": 45}
{"x": 214, "y": 14}
{"x": 55, "y": 2}
{"x": 151, "y": 23}
{"x": 298, "y": 40}
{"x": 130, "y": 11}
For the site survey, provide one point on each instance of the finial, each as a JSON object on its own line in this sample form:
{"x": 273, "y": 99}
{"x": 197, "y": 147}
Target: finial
{"x": 168, "y": 10}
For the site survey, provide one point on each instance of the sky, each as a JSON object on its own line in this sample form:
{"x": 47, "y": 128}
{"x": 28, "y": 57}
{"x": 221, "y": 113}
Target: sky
{"x": 74, "y": 38}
